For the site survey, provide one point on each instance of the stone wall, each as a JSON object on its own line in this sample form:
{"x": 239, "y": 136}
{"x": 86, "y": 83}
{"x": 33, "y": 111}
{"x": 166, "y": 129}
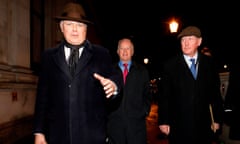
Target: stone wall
{"x": 17, "y": 82}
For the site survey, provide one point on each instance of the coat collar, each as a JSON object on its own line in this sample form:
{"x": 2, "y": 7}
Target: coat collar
{"x": 59, "y": 58}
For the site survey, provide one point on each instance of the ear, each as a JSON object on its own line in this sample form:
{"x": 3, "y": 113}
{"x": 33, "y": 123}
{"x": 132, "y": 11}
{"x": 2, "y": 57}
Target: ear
{"x": 61, "y": 25}
{"x": 199, "y": 41}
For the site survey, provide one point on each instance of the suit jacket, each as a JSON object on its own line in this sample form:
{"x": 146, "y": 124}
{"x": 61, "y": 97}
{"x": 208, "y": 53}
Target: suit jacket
{"x": 72, "y": 110}
{"x": 184, "y": 101}
{"x": 127, "y": 113}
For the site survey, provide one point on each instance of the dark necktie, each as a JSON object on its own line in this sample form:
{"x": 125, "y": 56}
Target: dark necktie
{"x": 125, "y": 72}
{"x": 73, "y": 60}
{"x": 193, "y": 68}
{"x": 74, "y": 56}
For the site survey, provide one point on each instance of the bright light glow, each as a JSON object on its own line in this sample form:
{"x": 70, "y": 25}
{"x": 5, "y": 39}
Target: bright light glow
{"x": 146, "y": 60}
{"x": 225, "y": 66}
{"x": 173, "y": 25}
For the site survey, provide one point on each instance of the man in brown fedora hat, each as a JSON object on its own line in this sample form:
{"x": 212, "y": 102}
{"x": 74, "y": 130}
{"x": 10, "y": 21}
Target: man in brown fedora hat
{"x": 190, "y": 104}
{"x": 76, "y": 79}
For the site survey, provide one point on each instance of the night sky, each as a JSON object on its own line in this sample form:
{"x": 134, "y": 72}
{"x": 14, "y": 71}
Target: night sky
{"x": 146, "y": 22}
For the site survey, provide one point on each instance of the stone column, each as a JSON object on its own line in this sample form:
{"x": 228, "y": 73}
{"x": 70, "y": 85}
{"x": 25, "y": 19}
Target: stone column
{"x": 17, "y": 82}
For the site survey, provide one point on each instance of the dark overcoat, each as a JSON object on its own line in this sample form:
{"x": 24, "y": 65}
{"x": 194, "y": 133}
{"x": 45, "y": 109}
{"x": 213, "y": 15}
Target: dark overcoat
{"x": 72, "y": 110}
{"x": 184, "y": 101}
{"x": 127, "y": 113}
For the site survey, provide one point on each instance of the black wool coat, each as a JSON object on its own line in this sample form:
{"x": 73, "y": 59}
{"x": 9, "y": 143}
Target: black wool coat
{"x": 127, "y": 113}
{"x": 184, "y": 101}
{"x": 72, "y": 110}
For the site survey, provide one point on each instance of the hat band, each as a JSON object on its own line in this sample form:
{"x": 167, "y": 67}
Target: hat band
{"x": 73, "y": 15}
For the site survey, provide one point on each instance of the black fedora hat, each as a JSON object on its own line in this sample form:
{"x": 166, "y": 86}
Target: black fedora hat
{"x": 75, "y": 12}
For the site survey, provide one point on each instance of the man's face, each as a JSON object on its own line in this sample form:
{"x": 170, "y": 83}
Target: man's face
{"x": 190, "y": 44}
{"x": 73, "y": 32}
{"x": 125, "y": 50}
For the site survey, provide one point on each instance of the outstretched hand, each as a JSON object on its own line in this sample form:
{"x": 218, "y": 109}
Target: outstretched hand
{"x": 108, "y": 85}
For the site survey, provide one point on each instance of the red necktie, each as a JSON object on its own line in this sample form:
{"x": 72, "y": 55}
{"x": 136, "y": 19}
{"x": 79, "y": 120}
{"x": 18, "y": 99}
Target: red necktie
{"x": 125, "y": 72}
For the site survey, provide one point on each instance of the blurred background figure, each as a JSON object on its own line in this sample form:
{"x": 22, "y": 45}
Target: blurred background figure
{"x": 232, "y": 104}
{"x": 206, "y": 51}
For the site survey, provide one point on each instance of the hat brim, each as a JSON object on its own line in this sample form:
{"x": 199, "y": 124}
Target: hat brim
{"x": 190, "y": 34}
{"x": 59, "y": 18}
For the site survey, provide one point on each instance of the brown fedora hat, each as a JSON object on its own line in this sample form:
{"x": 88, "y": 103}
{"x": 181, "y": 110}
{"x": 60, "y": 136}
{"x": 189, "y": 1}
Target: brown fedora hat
{"x": 190, "y": 31}
{"x": 75, "y": 12}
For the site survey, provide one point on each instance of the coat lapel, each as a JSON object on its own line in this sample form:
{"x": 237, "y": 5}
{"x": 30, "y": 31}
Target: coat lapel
{"x": 59, "y": 59}
{"x": 85, "y": 57}
{"x": 186, "y": 69}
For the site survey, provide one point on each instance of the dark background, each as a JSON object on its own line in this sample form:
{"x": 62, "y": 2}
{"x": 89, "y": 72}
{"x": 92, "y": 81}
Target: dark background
{"x": 146, "y": 22}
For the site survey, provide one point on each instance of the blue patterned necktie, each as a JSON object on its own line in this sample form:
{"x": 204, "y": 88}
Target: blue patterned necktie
{"x": 193, "y": 68}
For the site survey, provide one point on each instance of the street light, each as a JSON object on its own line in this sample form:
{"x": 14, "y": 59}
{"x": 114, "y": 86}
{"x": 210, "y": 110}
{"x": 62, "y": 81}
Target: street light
{"x": 145, "y": 60}
{"x": 173, "y": 26}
